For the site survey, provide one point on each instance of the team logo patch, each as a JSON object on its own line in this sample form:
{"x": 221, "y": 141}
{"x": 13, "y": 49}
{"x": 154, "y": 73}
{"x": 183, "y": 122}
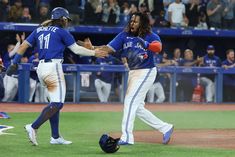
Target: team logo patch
{"x": 3, "y": 128}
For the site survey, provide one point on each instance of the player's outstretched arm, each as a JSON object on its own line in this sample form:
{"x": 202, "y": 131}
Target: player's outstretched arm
{"x": 75, "y": 48}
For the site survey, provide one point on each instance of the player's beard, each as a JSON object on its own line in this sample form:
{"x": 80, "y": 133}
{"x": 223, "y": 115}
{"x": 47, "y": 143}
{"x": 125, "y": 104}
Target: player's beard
{"x": 136, "y": 33}
{"x": 210, "y": 54}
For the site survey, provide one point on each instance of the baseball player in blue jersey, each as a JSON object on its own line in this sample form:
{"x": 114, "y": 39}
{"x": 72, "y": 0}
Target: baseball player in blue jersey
{"x": 50, "y": 39}
{"x": 138, "y": 44}
{"x": 210, "y": 60}
{"x": 229, "y": 80}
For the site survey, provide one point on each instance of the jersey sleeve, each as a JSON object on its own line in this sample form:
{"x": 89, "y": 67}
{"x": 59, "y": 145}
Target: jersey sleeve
{"x": 67, "y": 38}
{"x": 153, "y": 37}
{"x": 31, "y": 39}
{"x": 117, "y": 42}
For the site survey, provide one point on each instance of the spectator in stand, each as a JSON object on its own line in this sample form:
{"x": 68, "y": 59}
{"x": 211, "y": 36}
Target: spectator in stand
{"x": 111, "y": 12}
{"x": 143, "y": 8}
{"x": 43, "y": 13}
{"x": 4, "y": 8}
{"x": 215, "y": 11}
{"x": 125, "y": 14}
{"x": 133, "y": 9}
{"x": 228, "y": 14}
{"x": 176, "y": 13}
{"x": 76, "y": 10}
{"x": 160, "y": 20}
{"x": 153, "y": 6}
{"x": 92, "y": 12}
{"x": 26, "y": 16}
{"x": 32, "y": 5}
{"x": 166, "y": 4}
{"x": 229, "y": 80}
{"x": 103, "y": 81}
{"x": 192, "y": 13}
{"x": 209, "y": 60}
{"x": 202, "y": 20}
{"x": 15, "y": 12}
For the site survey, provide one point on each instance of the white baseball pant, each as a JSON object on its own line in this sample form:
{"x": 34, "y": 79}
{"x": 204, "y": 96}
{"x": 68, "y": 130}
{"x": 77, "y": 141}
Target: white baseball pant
{"x": 139, "y": 82}
{"x": 103, "y": 90}
{"x": 209, "y": 88}
{"x": 41, "y": 93}
{"x": 33, "y": 86}
{"x": 11, "y": 88}
{"x": 51, "y": 75}
{"x": 157, "y": 90}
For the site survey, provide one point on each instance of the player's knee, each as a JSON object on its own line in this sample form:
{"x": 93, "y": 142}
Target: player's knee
{"x": 58, "y": 105}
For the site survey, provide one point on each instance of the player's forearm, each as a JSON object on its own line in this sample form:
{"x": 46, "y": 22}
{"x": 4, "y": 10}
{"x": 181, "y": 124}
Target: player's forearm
{"x": 81, "y": 50}
{"x": 13, "y": 52}
{"x": 22, "y": 48}
{"x": 20, "y": 52}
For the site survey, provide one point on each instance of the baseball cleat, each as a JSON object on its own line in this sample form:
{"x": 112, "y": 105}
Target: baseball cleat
{"x": 31, "y": 134}
{"x": 123, "y": 143}
{"x": 59, "y": 140}
{"x": 167, "y": 135}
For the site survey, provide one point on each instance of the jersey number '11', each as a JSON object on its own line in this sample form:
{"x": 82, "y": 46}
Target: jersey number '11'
{"x": 44, "y": 41}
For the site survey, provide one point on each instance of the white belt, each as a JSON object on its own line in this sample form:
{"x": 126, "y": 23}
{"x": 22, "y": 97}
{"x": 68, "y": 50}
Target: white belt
{"x": 51, "y": 61}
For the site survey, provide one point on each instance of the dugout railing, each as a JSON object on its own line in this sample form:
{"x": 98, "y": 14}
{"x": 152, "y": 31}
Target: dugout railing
{"x": 24, "y": 73}
{"x": 75, "y": 69}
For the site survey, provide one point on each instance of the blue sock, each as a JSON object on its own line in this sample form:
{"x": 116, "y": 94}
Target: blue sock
{"x": 47, "y": 113}
{"x": 54, "y": 121}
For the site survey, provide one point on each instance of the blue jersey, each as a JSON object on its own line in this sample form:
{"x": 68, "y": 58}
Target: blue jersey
{"x": 132, "y": 48}
{"x": 158, "y": 59}
{"x": 211, "y": 61}
{"x": 50, "y": 41}
{"x": 7, "y": 60}
{"x": 228, "y": 79}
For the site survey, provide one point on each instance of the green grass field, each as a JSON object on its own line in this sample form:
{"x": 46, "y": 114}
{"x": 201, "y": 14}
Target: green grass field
{"x": 84, "y": 129}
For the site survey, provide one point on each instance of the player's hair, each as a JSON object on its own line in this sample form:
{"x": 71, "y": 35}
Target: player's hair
{"x": 57, "y": 22}
{"x": 145, "y": 26}
{"x": 229, "y": 50}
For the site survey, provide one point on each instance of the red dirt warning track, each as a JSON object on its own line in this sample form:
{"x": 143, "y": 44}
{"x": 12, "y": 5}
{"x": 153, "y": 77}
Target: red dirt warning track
{"x": 216, "y": 138}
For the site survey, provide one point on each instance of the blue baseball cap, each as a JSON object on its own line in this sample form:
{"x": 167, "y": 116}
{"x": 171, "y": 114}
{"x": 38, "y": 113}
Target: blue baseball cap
{"x": 210, "y": 47}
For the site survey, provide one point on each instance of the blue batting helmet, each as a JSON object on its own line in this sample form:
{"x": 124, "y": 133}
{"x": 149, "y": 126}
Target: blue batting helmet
{"x": 59, "y": 12}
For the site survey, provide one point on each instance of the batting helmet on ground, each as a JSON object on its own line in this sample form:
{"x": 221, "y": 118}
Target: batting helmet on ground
{"x": 59, "y": 12}
{"x": 109, "y": 144}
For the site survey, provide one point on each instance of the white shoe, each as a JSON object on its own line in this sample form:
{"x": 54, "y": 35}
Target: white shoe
{"x": 59, "y": 140}
{"x": 31, "y": 134}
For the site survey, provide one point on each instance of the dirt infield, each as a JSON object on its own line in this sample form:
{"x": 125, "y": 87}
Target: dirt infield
{"x": 220, "y": 138}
